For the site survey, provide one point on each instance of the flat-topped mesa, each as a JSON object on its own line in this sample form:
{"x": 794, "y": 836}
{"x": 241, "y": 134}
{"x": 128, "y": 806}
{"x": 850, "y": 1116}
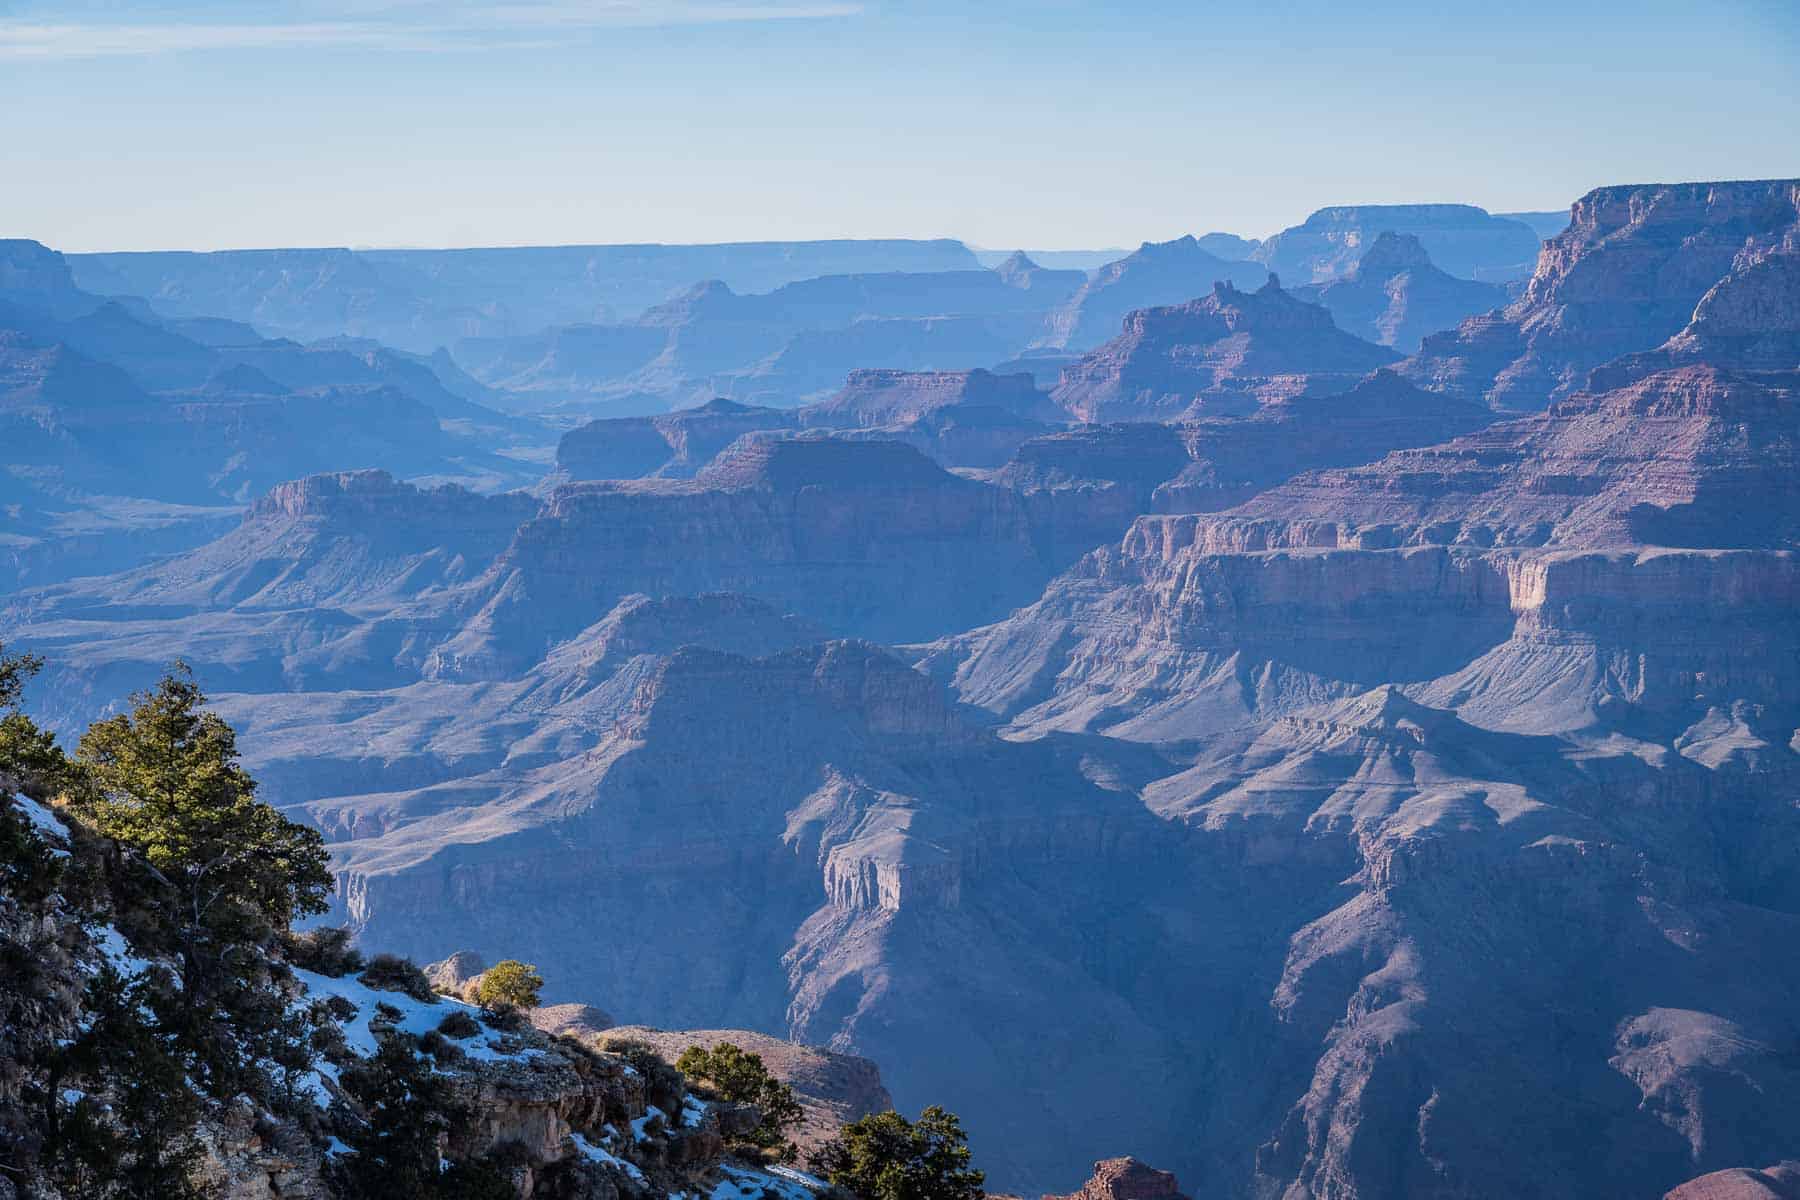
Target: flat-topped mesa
{"x": 874, "y": 398}
{"x": 1227, "y": 352}
{"x": 1622, "y": 278}
{"x": 378, "y": 497}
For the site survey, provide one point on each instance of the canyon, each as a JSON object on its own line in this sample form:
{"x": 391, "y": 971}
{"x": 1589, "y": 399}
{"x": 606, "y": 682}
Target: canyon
{"x": 1302, "y": 719}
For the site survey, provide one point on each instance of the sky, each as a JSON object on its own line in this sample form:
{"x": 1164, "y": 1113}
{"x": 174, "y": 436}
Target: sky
{"x": 206, "y": 124}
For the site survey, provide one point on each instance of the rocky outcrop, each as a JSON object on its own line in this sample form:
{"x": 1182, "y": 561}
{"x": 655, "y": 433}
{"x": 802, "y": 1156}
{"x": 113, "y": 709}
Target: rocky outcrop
{"x": 1623, "y": 277}
{"x": 1678, "y": 457}
{"x": 1466, "y": 241}
{"x": 867, "y": 537}
{"x": 1127, "y": 1179}
{"x": 1779, "y": 1182}
{"x": 1225, "y": 354}
{"x": 833, "y": 1089}
{"x": 1395, "y": 295}
{"x": 670, "y": 446}
{"x": 1085, "y": 485}
{"x": 1157, "y": 274}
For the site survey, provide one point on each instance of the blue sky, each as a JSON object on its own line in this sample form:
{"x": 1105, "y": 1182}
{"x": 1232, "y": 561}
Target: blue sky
{"x": 1048, "y": 124}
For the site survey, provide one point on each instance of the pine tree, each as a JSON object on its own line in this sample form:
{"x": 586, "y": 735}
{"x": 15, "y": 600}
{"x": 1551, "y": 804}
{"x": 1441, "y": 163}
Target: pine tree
{"x": 739, "y": 1076}
{"x": 228, "y": 873}
{"x": 887, "y": 1157}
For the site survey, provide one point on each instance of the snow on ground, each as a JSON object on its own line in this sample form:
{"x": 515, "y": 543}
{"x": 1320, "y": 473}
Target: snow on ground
{"x": 743, "y": 1183}
{"x": 606, "y": 1157}
{"x": 47, "y": 822}
{"x": 638, "y": 1133}
{"x": 115, "y": 950}
{"x": 799, "y": 1177}
{"x": 416, "y": 1017}
{"x": 693, "y": 1111}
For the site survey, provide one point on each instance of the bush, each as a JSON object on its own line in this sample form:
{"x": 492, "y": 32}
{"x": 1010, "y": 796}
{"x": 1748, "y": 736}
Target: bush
{"x": 887, "y": 1157}
{"x": 510, "y": 983}
{"x": 442, "y": 1050}
{"x": 326, "y": 951}
{"x": 739, "y": 1076}
{"x": 458, "y": 1024}
{"x": 663, "y": 1084}
{"x": 640, "y": 1054}
{"x": 505, "y": 1018}
{"x": 391, "y": 973}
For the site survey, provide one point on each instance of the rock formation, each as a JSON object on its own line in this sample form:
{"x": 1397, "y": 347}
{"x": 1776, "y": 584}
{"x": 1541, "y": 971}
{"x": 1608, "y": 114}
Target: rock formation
{"x": 1224, "y": 354}
{"x": 1779, "y": 1182}
{"x": 1342, "y": 795}
{"x": 784, "y": 347}
{"x": 668, "y": 446}
{"x": 1395, "y": 296}
{"x": 833, "y": 1089}
{"x": 1622, "y": 278}
{"x": 1157, "y": 274}
{"x": 421, "y": 299}
{"x": 123, "y": 436}
{"x": 1464, "y": 240}
{"x": 1127, "y": 1179}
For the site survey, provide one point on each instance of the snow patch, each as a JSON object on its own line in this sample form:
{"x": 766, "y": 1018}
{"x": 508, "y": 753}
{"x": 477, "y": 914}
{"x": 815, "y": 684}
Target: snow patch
{"x": 117, "y": 952}
{"x": 606, "y": 1158}
{"x": 800, "y": 1177}
{"x": 47, "y": 823}
{"x": 416, "y": 1016}
{"x": 741, "y": 1183}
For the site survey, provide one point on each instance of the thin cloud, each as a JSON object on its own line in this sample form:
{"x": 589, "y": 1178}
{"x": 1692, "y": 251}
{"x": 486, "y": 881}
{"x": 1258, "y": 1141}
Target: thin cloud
{"x": 443, "y": 28}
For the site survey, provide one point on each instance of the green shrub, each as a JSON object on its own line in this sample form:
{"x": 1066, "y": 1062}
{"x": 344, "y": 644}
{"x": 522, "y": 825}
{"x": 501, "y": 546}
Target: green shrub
{"x": 391, "y": 973}
{"x": 887, "y": 1157}
{"x": 741, "y": 1077}
{"x": 325, "y": 950}
{"x": 510, "y": 983}
{"x": 458, "y": 1024}
{"x": 505, "y": 1018}
{"x": 442, "y": 1050}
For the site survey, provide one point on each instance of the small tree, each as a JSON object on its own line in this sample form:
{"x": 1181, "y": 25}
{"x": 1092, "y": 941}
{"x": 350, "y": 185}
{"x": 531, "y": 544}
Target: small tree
{"x": 229, "y": 873}
{"x": 509, "y": 984}
{"x": 741, "y": 1077}
{"x": 887, "y": 1157}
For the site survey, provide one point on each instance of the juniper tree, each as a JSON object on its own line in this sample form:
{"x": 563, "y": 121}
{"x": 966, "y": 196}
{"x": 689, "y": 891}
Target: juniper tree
{"x": 227, "y": 872}
{"x": 887, "y": 1157}
{"x": 742, "y": 1077}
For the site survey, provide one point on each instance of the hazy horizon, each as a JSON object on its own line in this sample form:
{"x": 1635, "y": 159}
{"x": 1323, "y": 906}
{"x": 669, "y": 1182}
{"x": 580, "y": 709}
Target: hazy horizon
{"x": 565, "y": 122}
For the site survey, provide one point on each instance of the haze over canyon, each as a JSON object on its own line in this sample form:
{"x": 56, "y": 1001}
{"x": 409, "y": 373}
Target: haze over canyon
{"x": 1318, "y": 714}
